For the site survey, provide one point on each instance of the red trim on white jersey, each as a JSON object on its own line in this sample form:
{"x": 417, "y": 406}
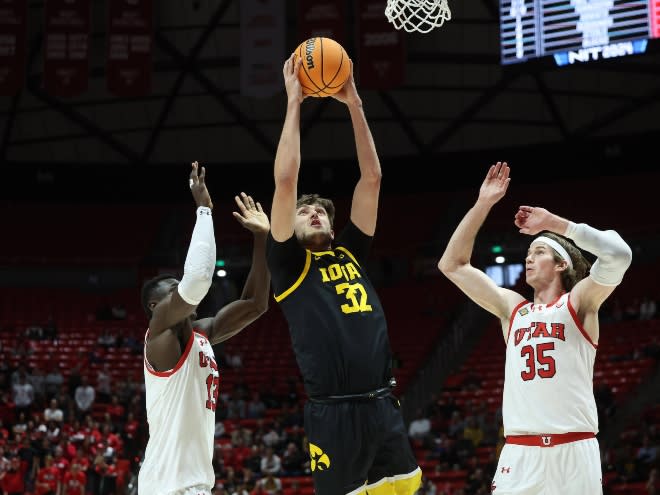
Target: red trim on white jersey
{"x": 512, "y": 316}
{"x": 182, "y": 359}
{"x": 577, "y": 321}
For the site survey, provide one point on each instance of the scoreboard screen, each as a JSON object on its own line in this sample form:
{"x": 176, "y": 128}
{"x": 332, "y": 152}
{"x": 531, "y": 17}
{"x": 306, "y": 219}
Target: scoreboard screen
{"x": 573, "y": 31}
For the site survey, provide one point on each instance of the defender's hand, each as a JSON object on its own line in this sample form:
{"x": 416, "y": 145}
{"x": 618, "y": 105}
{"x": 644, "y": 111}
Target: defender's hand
{"x": 251, "y": 215}
{"x": 198, "y": 186}
{"x": 291, "y": 81}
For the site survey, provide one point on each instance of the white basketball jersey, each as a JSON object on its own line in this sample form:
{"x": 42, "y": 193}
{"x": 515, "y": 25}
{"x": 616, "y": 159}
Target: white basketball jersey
{"x": 181, "y": 414}
{"x": 548, "y": 381}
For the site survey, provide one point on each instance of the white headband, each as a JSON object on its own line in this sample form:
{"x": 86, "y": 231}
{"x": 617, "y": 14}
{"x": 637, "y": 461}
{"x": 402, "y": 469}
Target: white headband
{"x": 557, "y": 247}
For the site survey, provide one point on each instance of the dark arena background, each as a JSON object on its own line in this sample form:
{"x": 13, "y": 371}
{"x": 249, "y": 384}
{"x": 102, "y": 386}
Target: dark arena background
{"x": 97, "y": 134}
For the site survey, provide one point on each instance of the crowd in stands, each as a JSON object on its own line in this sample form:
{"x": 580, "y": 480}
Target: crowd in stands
{"x": 82, "y": 430}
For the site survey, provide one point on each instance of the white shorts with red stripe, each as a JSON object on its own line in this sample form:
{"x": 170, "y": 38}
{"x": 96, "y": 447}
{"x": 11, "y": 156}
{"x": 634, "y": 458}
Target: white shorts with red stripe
{"x": 549, "y": 465}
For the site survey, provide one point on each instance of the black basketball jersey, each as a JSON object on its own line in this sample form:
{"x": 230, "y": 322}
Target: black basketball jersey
{"x": 337, "y": 325}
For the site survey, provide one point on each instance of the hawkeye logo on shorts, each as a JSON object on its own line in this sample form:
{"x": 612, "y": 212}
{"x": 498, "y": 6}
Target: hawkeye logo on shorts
{"x": 320, "y": 460}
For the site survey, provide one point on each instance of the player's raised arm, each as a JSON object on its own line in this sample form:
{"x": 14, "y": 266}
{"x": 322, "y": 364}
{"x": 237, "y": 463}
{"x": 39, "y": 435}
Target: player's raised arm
{"x": 287, "y": 158}
{"x": 198, "y": 268}
{"x": 235, "y": 316}
{"x": 455, "y": 261}
{"x": 364, "y": 208}
{"x": 613, "y": 254}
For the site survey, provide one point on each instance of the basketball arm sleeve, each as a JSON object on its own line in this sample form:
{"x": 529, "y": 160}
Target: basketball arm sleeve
{"x": 614, "y": 255}
{"x": 200, "y": 260}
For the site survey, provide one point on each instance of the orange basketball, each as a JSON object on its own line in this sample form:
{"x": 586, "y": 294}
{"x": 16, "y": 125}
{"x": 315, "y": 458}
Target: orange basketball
{"x": 325, "y": 66}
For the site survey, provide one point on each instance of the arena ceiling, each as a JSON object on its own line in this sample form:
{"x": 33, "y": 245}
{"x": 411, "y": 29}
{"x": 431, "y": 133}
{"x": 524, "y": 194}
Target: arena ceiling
{"x": 456, "y": 98}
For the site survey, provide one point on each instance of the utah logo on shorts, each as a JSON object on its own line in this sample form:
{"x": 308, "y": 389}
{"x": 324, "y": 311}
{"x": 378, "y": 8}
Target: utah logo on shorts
{"x": 320, "y": 460}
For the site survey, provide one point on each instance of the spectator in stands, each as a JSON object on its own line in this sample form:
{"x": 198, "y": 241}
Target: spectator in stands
{"x": 478, "y": 484}
{"x": 48, "y": 478}
{"x": 19, "y": 372}
{"x": 271, "y": 462}
{"x": 235, "y": 361}
{"x": 456, "y": 424}
{"x": 106, "y": 467}
{"x": 292, "y": 460}
{"x": 12, "y": 480}
{"x": 558, "y": 330}
{"x": 268, "y": 485}
{"x": 4, "y": 460}
{"x": 104, "y": 384}
{"x": 23, "y": 395}
{"x": 53, "y": 380}
{"x": 236, "y": 407}
{"x": 473, "y": 431}
{"x": 647, "y": 308}
{"x": 420, "y": 427}
{"x": 133, "y": 344}
{"x": 647, "y": 453}
{"x": 241, "y": 489}
{"x": 53, "y": 412}
{"x": 34, "y": 332}
{"x": 273, "y": 436}
{"x": 427, "y": 488}
{"x": 256, "y": 407}
{"x": 107, "y": 339}
{"x": 38, "y": 381}
{"x": 82, "y": 363}
{"x": 85, "y": 395}
{"x": 74, "y": 481}
{"x": 118, "y": 311}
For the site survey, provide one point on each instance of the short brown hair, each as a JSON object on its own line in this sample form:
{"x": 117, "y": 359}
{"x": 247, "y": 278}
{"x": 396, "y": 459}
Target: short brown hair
{"x": 581, "y": 265}
{"x": 315, "y": 199}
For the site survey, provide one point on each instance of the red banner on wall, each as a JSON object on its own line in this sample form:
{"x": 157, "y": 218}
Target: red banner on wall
{"x": 381, "y": 48}
{"x": 322, "y": 18}
{"x": 13, "y": 49}
{"x": 129, "y": 47}
{"x": 66, "y": 47}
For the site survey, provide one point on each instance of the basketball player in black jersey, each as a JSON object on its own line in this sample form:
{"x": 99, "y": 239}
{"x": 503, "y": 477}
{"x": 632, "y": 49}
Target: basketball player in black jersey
{"x": 357, "y": 438}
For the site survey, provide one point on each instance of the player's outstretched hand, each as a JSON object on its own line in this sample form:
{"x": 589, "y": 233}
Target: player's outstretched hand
{"x": 532, "y": 220}
{"x": 495, "y": 184}
{"x": 251, "y": 215}
{"x": 198, "y": 188}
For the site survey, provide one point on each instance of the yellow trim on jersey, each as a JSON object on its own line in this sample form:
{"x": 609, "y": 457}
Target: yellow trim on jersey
{"x": 340, "y": 248}
{"x": 402, "y": 484}
{"x": 321, "y": 253}
{"x": 308, "y": 262}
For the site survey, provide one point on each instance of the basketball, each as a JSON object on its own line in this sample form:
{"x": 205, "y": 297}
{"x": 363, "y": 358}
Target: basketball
{"x": 325, "y": 66}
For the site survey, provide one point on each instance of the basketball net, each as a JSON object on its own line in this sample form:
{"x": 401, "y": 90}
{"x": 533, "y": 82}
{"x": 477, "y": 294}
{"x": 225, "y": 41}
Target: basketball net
{"x": 417, "y": 15}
